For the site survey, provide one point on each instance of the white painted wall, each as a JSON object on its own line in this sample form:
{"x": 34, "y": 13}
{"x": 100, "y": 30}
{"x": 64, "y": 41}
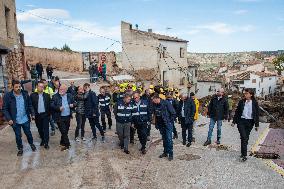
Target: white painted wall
{"x": 203, "y": 88}
{"x": 260, "y": 85}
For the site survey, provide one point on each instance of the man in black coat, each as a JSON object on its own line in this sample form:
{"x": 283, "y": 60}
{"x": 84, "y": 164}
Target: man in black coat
{"x": 41, "y": 104}
{"x": 174, "y": 102}
{"x": 72, "y": 89}
{"x": 218, "y": 110}
{"x": 186, "y": 113}
{"x": 92, "y": 111}
{"x": 147, "y": 96}
{"x": 62, "y": 105}
{"x": 39, "y": 69}
{"x": 49, "y": 71}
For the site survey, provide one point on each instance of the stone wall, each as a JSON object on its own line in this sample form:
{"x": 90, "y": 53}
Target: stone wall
{"x": 61, "y": 60}
{"x": 8, "y": 24}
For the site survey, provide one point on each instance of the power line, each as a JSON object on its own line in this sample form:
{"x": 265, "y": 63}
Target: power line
{"x": 104, "y": 37}
{"x": 66, "y": 25}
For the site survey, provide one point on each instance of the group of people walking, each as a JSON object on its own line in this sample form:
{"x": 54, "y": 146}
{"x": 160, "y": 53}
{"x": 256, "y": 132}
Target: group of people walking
{"x": 133, "y": 111}
{"x": 97, "y": 71}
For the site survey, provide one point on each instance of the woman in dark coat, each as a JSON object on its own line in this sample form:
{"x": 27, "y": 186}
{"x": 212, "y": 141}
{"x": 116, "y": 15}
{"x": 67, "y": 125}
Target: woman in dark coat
{"x": 246, "y": 116}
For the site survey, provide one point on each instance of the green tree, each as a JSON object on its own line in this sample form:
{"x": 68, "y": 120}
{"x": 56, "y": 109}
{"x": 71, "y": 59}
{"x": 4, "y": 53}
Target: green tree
{"x": 66, "y": 48}
{"x": 279, "y": 64}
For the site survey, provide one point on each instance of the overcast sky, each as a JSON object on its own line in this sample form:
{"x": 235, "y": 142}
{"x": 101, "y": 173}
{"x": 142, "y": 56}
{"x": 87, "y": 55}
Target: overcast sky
{"x": 208, "y": 25}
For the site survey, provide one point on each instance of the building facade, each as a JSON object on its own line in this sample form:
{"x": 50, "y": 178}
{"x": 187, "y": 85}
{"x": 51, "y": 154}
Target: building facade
{"x": 262, "y": 83}
{"x": 13, "y": 65}
{"x": 206, "y": 88}
{"x": 143, "y": 50}
{"x": 8, "y": 24}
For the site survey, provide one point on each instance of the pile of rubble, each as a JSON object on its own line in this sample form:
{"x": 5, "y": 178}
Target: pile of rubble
{"x": 274, "y": 107}
{"x": 236, "y": 96}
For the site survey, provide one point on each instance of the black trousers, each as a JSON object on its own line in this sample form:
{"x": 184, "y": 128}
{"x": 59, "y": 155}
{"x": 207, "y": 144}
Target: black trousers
{"x": 64, "y": 125}
{"x": 142, "y": 133}
{"x": 174, "y": 129}
{"x": 149, "y": 129}
{"x": 39, "y": 75}
{"x": 81, "y": 120}
{"x": 103, "y": 119}
{"x": 132, "y": 133}
{"x": 245, "y": 126}
{"x": 186, "y": 130}
{"x": 94, "y": 122}
{"x": 230, "y": 115}
{"x": 42, "y": 124}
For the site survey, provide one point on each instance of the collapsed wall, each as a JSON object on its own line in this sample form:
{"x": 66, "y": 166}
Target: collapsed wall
{"x": 62, "y": 60}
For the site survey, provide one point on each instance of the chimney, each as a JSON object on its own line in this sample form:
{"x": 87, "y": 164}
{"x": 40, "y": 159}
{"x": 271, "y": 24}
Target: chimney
{"x": 150, "y": 30}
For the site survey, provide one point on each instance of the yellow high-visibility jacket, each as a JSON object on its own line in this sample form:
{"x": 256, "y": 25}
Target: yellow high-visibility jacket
{"x": 47, "y": 90}
{"x": 196, "y": 102}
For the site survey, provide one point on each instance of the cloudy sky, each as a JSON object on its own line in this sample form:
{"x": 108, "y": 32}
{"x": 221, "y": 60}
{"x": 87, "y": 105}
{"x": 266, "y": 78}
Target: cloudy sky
{"x": 208, "y": 25}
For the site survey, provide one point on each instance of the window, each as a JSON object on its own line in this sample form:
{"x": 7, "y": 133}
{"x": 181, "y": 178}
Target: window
{"x": 165, "y": 52}
{"x": 196, "y": 73}
{"x": 182, "y": 81}
{"x": 181, "y": 52}
{"x": 7, "y": 19}
{"x": 15, "y": 21}
{"x": 254, "y": 81}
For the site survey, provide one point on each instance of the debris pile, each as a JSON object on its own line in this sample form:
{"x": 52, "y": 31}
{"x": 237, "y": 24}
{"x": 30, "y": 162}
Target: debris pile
{"x": 274, "y": 106}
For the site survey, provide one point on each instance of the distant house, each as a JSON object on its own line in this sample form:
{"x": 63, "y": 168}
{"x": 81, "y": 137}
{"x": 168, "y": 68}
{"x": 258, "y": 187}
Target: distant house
{"x": 252, "y": 65}
{"x": 262, "y": 83}
{"x": 193, "y": 74}
{"x": 145, "y": 50}
{"x": 208, "y": 83}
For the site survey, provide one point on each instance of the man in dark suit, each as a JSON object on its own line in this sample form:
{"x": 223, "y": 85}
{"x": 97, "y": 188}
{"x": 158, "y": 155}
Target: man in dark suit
{"x": 41, "y": 104}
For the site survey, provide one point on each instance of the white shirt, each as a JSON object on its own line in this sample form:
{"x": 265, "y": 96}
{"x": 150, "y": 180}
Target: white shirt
{"x": 182, "y": 110}
{"x": 247, "y": 112}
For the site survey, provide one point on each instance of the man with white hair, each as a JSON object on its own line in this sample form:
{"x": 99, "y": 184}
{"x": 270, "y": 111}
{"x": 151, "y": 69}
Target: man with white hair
{"x": 62, "y": 105}
{"x": 217, "y": 111}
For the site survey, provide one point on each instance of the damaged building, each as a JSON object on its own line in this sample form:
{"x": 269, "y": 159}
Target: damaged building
{"x": 12, "y": 64}
{"x": 165, "y": 56}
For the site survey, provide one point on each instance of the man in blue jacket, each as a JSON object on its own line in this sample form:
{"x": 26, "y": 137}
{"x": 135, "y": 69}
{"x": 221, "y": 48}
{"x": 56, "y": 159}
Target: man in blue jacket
{"x": 62, "y": 105}
{"x": 92, "y": 111}
{"x": 18, "y": 110}
{"x": 141, "y": 119}
{"x": 164, "y": 114}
